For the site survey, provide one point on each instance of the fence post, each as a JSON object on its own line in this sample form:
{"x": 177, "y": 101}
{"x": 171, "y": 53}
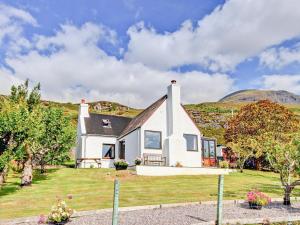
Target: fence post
{"x": 116, "y": 203}
{"x": 220, "y": 199}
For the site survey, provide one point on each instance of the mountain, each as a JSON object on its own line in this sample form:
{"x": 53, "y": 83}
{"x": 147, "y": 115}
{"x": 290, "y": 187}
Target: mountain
{"x": 282, "y": 97}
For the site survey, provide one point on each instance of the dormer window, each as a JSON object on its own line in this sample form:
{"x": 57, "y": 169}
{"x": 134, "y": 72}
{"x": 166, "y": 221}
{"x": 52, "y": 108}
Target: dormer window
{"x": 106, "y": 123}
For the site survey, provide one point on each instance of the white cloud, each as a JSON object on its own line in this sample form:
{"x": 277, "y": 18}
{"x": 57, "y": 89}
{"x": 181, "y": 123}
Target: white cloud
{"x": 282, "y": 82}
{"x": 76, "y": 67}
{"x": 11, "y": 24}
{"x": 230, "y": 34}
{"x": 278, "y": 57}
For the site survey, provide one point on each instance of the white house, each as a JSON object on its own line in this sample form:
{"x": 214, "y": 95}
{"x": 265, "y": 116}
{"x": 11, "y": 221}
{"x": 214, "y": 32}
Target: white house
{"x": 162, "y": 134}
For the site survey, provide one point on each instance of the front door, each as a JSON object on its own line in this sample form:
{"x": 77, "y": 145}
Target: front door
{"x": 122, "y": 150}
{"x": 209, "y": 152}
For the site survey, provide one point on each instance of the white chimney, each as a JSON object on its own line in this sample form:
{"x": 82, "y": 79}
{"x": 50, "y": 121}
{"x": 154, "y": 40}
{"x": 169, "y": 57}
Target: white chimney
{"x": 84, "y": 109}
{"x": 174, "y": 150}
{"x": 173, "y": 108}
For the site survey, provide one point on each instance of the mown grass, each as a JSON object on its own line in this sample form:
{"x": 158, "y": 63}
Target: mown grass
{"x": 93, "y": 189}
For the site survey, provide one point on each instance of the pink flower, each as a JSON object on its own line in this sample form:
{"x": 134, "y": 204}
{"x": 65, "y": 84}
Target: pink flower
{"x": 42, "y": 219}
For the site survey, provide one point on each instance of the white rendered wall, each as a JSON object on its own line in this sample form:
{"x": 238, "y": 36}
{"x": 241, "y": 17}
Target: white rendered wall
{"x": 175, "y": 171}
{"x": 92, "y": 148}
{"x": 158, "y": 122}
{"x": 132, "y": 146}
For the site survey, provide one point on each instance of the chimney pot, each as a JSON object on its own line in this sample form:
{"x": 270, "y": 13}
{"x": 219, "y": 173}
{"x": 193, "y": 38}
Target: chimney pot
{"x": 82, "y": 101}
{"x": 173, "y": 81}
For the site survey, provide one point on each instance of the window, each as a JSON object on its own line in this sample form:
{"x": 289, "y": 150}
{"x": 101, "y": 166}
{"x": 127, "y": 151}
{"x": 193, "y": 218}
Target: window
{"x": 106, "y": 123}
{"x": 209, "y": 148}
{"x": 152, "y": 139}
{"x": 191, "y": 142}
{"x": 205, "y": 149}
{"x": 108, "y": 151}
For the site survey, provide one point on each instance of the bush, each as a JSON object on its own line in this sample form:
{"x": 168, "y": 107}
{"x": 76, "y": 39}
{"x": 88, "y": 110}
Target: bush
{"x": 121, "y": 164}
{"x": 178, "y": 164}
{"x": 224, "y": 164}
{"x": 60, "y": 212}
{"x": 138, "y": 161}
{"x": 258, "y": 198}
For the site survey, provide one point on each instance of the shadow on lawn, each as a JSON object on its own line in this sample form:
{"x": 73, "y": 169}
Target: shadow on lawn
{"x": 14, "y": 186}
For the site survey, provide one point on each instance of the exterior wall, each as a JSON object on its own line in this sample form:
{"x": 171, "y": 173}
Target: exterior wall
{"x": 158, "y": 122}
{"x": 175, "y": 171}
{"x": 92, "y": 148}
{"x": 132, "y": 146}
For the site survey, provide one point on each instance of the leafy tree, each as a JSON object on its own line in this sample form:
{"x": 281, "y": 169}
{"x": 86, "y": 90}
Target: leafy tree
{"x": 56, "y": 140}
{"x": 284, "y": 156}
{"x": 32, "y": 132}
{"x": 254, "y": 120}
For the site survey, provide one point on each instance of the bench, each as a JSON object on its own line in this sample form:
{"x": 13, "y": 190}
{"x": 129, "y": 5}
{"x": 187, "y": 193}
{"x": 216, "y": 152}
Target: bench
{"x": 154, "y": 159}
{"x": 80, "y": 160}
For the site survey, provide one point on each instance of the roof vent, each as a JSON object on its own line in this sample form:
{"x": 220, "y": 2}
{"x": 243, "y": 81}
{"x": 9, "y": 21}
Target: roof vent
{"x": 106, "y": 123}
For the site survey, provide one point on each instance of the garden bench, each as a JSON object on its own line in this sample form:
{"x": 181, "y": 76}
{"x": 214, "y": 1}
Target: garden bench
{"x": 80, "y": 160}
{"x": 154, "y": 159}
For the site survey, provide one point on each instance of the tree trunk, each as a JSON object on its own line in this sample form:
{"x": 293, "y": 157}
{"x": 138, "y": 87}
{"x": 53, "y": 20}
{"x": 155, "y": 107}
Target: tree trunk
{"x": 26, "y": 178}
{"x": 3, "y": 176}
{"x": 42, "y": 167}
{"x": 287, "y": 195}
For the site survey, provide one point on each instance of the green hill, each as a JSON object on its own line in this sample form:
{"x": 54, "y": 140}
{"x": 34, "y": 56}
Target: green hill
{"x": 210, "y": 117}
{"x": 283, "y": 97}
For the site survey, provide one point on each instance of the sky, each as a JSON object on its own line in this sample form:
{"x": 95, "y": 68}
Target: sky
{"x": 128, "y": 51}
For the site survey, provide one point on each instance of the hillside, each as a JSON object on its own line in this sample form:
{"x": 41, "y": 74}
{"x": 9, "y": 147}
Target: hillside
{"x": 283, "y": 97}
{"x": 210, "y": 117}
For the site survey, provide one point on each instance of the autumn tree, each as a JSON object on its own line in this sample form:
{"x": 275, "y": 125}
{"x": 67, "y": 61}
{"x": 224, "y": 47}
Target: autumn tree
{"x": 274, "y": 133}
{"x": 246, "y": 128}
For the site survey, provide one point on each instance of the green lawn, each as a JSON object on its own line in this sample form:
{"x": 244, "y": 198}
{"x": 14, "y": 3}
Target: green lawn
{"x": 93, "y": 189}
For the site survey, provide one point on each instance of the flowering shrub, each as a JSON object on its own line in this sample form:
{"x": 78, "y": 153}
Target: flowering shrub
{"x": 138, "y": 161}
{"x": 258, "y": 198}
{"x": 60, "y": 212}
{"x": 224, "y": 164}
{"x": 121, "y": 164}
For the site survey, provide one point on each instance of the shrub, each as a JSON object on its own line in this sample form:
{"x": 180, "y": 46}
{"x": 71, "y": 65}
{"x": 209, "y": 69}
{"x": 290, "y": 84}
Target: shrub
{"x": 138, "y": 161}
{"x": 60, "y": 212}
{"x": 258, "y": 198}
{"x": 121, "y": 164}
{"x": 178, "y": 164}
{"x": 224, "y": 164}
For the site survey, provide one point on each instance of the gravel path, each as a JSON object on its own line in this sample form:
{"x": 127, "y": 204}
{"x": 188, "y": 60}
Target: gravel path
{"x": 187, "y": 215}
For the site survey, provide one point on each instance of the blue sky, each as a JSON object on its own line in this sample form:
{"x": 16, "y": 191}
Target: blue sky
{"x": 128, "y": 51}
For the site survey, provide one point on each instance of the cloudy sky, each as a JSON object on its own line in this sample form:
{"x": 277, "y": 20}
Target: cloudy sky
{"x": 129, "y": 50}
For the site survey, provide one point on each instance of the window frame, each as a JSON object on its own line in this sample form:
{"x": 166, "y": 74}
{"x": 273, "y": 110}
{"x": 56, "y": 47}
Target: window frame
{"x": 160, "y": 139}
{"x": 114, "y": 149}
{"x": 197, "y": 147}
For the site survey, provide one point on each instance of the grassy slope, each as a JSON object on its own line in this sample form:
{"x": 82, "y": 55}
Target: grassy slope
{"x": 93, "y": 189}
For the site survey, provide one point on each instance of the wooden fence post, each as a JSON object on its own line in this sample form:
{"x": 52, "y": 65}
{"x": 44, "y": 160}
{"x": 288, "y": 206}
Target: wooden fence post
{"x": 116, "y": 203}
{"x": 220, "y": 199}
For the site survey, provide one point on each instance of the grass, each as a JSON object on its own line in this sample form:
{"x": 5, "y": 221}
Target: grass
{"x": 93, "y": 189}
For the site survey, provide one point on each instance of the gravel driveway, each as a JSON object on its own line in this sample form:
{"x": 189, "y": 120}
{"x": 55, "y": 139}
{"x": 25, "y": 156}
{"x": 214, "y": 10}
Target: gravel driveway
{"x": 188, "y": 215}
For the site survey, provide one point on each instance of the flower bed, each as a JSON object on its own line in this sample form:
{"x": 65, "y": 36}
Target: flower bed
{"x": 257, "y": 199}
{"x": 121, "y": 164}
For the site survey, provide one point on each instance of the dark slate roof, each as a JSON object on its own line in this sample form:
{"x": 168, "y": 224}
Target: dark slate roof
{"x": 141, "y": 118}
{"x": 93, "y": 124}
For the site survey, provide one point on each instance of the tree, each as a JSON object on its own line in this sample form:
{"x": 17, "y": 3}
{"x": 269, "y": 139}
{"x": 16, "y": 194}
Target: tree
{"x": 56, "y": 140}
{"x": 255, "y": 120}
{"x": 32, "y": 132}
{"x": 284, "y": 156}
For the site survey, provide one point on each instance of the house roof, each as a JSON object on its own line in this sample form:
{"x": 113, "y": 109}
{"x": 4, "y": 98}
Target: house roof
{"x": 94, "y": 125}
{"x": 141, "y": 118}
